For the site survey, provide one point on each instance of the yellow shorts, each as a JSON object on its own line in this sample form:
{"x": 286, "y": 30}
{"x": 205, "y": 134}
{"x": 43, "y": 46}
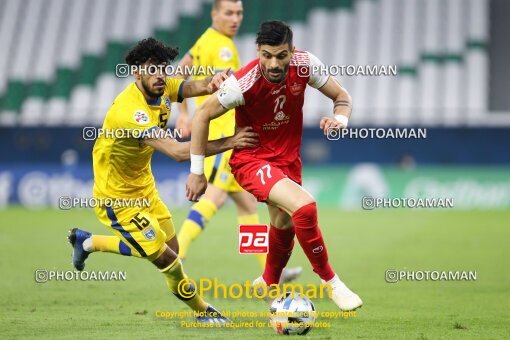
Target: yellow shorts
{"x": 144, "y": 229}
{"x": 216, "y": 168}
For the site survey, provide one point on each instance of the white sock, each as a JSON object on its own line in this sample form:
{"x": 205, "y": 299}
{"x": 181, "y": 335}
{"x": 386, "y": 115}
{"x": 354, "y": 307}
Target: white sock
{"x": 335, "y": 279}
{"x": 87, "y": 245}
{"x": 335, "y": 282}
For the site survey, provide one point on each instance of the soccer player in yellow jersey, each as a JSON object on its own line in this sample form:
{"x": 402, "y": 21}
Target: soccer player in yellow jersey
{"x": 133, "y": 128}
{"x": 216, "y": 49}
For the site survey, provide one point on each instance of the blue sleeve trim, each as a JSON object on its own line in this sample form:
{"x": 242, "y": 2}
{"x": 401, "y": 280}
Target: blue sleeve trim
{"x": 146, "y": 132}
{"x": 179, "y": 93}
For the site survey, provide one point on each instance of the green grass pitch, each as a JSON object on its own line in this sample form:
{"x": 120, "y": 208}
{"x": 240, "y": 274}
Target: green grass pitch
{"x": 361, "y": 245}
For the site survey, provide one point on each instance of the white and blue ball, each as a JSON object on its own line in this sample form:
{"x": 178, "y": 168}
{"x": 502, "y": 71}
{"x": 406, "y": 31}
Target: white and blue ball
{"x": 291, "y": 315}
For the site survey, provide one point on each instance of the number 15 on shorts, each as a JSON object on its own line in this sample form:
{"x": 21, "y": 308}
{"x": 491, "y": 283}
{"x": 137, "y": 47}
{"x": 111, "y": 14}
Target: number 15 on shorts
{"x": 253, "y": 239}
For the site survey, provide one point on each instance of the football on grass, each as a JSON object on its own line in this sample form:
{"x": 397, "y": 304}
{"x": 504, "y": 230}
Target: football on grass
{"x": 292, "y": 314}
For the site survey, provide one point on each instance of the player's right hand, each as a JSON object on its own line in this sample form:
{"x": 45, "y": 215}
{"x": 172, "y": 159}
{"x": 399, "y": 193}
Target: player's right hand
{"x": 245, "y": 138}
{"x": 217, "y": 80}
{"x": 328, "y": 123}
{"x": 184, "y": 125}
{"x": 195, "y": 187}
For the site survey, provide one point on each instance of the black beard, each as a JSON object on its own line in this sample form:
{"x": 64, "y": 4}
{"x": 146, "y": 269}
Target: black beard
{"x": 283, "y": 73}
{"x": 151, "y": 93}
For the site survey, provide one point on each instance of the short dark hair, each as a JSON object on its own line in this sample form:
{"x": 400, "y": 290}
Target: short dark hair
{"x": 153, "y": 50}
{"x": 216, "y": 3}
{"x": 274, "y": 33}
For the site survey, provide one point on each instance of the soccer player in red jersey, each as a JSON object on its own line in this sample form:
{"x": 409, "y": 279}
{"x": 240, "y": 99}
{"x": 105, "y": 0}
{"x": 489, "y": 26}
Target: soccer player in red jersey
{"x": 268, "y": 95}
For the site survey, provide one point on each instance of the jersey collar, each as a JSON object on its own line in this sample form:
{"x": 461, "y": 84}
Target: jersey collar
{"x": 218, "y": 32}
{"x": 154, "y": 101}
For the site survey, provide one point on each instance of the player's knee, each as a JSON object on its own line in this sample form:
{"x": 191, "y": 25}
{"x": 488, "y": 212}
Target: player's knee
{"x": 245, "y": 202}
{"x": 163, "y": 257}
{"x": 165, "y": 260}
{"x": 303, "y": 201}
{"x": 251, "y": 205}
{"x": 216, "y": 196}
{"x": 306, "y": 215}
{"x": 173, "y": 244}
{"x": 246, "y": 208}
{"x": 281, "y": 220}
{"x": 219, "y": 201}
{"x": 284, "y": 224}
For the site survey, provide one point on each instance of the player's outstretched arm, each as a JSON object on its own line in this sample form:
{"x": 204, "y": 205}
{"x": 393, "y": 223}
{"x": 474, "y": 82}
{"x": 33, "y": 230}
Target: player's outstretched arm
{"x": 244, "y": 138}
{"x": 210, "y": 109}
{"x": 169, "y": 147}
{"x": 209, "y": 85}
{"x": 342, "y": 105}
{"x": 183, "y": 120}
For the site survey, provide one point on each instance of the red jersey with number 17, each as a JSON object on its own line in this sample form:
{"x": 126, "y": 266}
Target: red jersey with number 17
{"x": 274, "y": 111}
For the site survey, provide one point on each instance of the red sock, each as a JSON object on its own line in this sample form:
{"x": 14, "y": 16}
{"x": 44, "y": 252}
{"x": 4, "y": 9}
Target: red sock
{"x": 281, "y": 243}
{"x": 310, "y": 238}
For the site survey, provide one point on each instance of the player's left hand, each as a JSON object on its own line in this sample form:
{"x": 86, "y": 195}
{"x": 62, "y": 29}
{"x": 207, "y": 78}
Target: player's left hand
{"x": 195, "y": 187}
{"x": 216, "y": 81}
{"x": 330, "y": 123}
{"x": 245, "y": 137}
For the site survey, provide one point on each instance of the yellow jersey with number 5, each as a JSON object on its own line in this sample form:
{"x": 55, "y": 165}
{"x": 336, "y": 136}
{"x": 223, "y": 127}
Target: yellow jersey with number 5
{"x": 218, "y": 51}
{"x": 122, "y": 163}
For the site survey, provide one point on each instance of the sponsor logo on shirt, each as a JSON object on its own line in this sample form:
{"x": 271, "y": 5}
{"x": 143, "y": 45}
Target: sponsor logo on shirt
{"x": 281, "y": 116}
{"x": 279, "y": 119}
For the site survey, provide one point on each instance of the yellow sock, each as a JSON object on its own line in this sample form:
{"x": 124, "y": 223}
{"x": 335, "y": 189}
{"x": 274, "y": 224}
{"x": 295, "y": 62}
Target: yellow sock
{"x": 253, "y": 219}
{"x": 174, "y": 274}
{"x": 110, "y": 244}
{"x": 200, "y": 213}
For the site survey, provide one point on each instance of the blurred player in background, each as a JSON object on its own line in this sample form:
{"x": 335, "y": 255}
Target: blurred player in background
{"x": 268, "y": 95}
{"x": 122, "y": 171}
{"x": 215, "y": 48}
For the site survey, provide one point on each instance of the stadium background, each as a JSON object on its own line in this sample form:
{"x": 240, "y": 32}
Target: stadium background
{"x": 57, "y": 75}
{"x": 61, "y": 77}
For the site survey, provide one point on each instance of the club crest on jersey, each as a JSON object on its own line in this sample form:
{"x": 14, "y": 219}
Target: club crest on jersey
{"x": 140, "y": 117}
{"x": 296, "y": 88}
{"x": 281, "y": 116}
{"x": 149, "y": 233}
{"x": 168, "y": 104}
{"x": 226, "y": 54}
